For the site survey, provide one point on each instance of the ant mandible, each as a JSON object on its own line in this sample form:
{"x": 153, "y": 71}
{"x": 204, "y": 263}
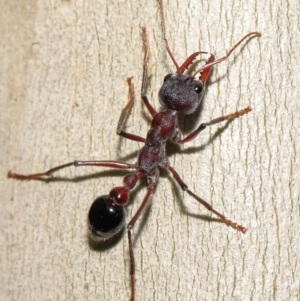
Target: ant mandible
{"x": 179, "y": 94}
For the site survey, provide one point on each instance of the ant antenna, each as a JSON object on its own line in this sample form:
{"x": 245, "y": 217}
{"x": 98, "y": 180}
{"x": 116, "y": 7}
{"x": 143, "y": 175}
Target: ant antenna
{"x": 163, "y": 27}
{"x": 224, "y": 58}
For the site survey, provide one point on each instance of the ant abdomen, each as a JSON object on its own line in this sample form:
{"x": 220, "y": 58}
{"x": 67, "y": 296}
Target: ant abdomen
{"x": 105, "y": 218}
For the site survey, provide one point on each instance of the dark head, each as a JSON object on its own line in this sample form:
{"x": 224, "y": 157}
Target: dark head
{"x": 181, "y": 93}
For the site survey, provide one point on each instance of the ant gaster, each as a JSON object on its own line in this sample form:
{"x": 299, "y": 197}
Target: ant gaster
{"x": 179, "y": 94}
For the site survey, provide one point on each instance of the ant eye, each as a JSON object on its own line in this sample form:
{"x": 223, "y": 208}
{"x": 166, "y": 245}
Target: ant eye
{"x": 198, "y": 89}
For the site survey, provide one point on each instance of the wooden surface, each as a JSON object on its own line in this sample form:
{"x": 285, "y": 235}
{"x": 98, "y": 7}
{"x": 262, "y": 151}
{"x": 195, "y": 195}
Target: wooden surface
{"x": 63, "y": 69}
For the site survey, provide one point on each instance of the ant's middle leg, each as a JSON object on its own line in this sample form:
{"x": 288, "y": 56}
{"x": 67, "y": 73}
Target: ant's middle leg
{"x": 203, "y": 126}
{"x": 185, "y": 188}
{"x": 108, "y": 163}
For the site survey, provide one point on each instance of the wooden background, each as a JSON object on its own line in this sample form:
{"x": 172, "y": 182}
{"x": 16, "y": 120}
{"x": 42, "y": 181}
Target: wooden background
{"x": 63, "y": 69}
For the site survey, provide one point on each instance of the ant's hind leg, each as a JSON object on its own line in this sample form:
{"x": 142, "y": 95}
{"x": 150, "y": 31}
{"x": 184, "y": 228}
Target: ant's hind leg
{"x": 185, "y": 188}
{"x": 141, "y": 210}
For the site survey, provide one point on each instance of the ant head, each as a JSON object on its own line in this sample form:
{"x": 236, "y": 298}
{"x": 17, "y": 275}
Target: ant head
{"x": 181, "y": 93}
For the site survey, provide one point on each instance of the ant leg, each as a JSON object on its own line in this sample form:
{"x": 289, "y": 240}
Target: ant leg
{"x": 141, "y": 210}
{"x": 112, "y": 164}
{"x": 185, "y": 188}
{"x": 151, "y": 110}
{"x": 203, "y": 126}
{"x": 146, "y": 69}
{"x": 124, "y": 114}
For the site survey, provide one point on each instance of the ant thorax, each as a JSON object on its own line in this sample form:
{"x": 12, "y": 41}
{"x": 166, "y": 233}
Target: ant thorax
{"x": 164, "y": 126}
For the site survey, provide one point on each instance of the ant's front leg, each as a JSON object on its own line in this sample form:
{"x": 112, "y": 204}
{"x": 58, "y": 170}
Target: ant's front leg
{"x": 124, "y": 114}
{"x": 146, "y": 69}
{"x": 48, "y": 173}
{"x": 125, "y": 111}
{"x": 203, "y": 126}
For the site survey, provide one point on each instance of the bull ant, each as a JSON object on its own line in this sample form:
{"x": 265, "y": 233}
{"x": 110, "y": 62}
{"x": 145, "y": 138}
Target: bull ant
{"x": 180, "y": 94}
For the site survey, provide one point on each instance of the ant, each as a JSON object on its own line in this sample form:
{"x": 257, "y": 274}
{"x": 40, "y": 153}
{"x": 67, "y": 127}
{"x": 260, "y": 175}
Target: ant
{"x": 180, "y": 94}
